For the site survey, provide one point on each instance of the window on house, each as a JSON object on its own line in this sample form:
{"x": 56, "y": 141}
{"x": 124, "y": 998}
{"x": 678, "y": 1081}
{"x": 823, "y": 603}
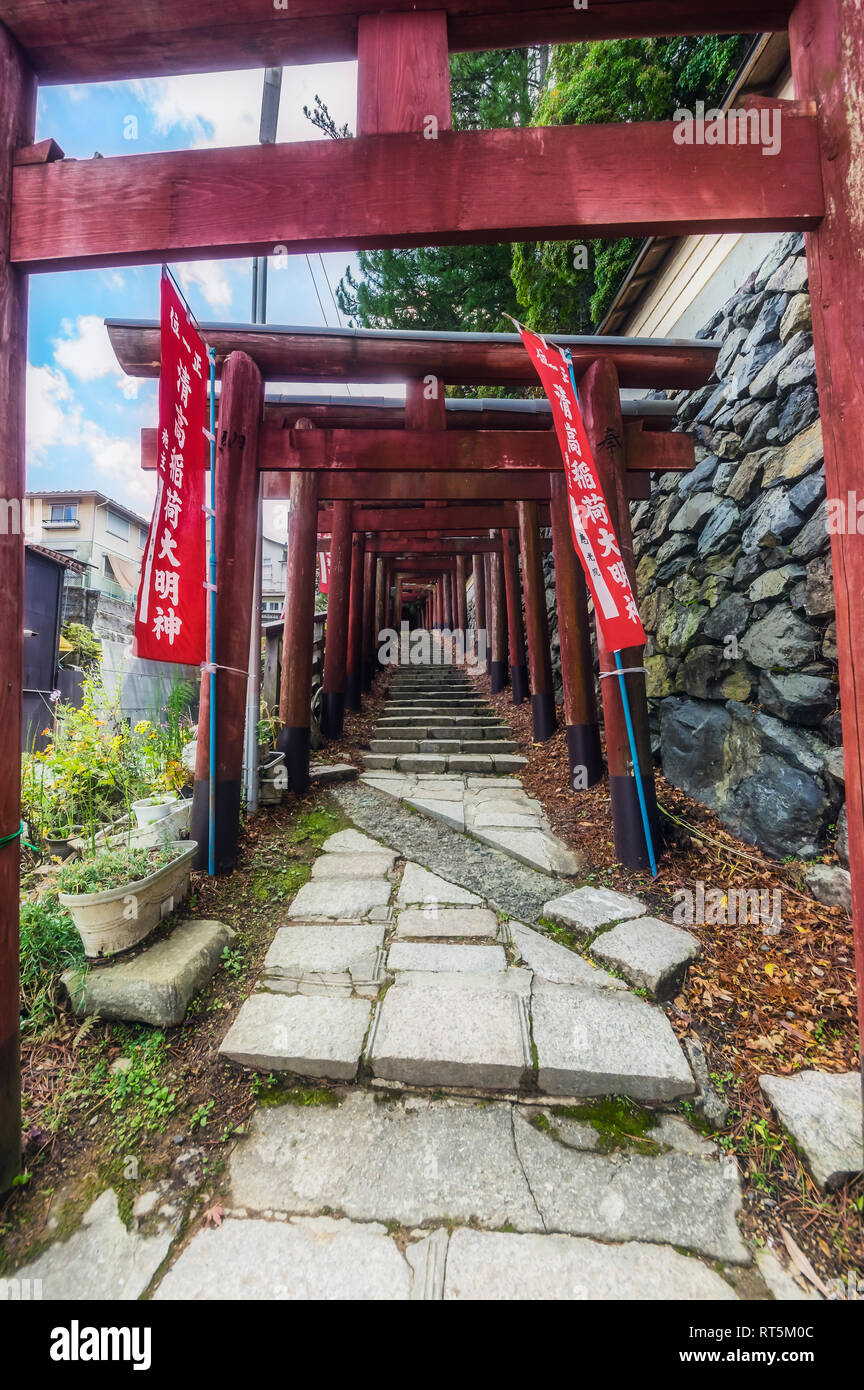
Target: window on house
{"x": 64, "y": 511}
{"x": 116, "y": 525}
{"x": 142, "y": 536}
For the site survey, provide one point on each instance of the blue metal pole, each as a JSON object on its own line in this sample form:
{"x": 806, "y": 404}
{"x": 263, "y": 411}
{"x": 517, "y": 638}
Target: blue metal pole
{"x": 211, "y": 655}
{"x": 640, "y": 790}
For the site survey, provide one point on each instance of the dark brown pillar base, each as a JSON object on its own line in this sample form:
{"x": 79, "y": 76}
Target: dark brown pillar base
{"x": 332, "y": 713}
{"x": 354, "y": 693}
{"x": 543, "y": 714}
{"x": 295, "y": 743}
{"x": 630, "y": 847}
{"x": 497, "y": 676}
{"x": 583, "y": 750}
{"x": 228, "y": 796}
{"x": 519, "y": 683}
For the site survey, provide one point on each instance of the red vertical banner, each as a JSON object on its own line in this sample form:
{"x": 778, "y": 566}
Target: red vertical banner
{"x": 171, "y": 617}
{"x": 593, "y": 534}
{"x": 323, "y": 572}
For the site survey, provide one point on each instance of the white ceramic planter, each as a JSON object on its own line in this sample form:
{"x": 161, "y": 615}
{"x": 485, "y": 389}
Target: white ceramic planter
{"x": 272, "y": 783}
{"x": 152, "y": 808}
{"x": 118, "y": 918}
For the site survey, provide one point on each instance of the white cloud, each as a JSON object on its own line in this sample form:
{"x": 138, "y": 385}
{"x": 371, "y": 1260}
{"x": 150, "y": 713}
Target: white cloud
{"x": 210, "y": 278}
{"x": 86, "y": 352}
{"x": 120, "y": 461}
{"x": 52, "y": 414}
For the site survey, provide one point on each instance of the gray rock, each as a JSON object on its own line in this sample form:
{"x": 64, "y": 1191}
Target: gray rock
{"x": 764, "y": 384}
{"x": 786, "y": 245}
{"x": 819, "y": 596}
{"x": 728, "y": 619}
{"x": 722, "y": 525}
{"x": 674, "y": 1198}
{"x": 799, "y": 409}
{"x": 156, "y": 986}
{"x": 791, "y": 276}
{"x": 585, "y": 909}
{"x": 781, "y": 639}
{"x": 323, "y": 774}
{"x": 298, "y": 1260}
{"x": 802, "y": 370}
{"x": 708, "y": 675}
{"x": 488, "y": 1265}
{"x": 813, "y": 539}
{"x": 708, "y": 1103}
{"x": 700, "y": 477}
{"x": 773, "y": 583}
{"x": 745, "y": 480}
{"x": 337, "y": 898}
{"x": 597, "y": 1042}
{"x": 767, "y": 325}
{"x": 556, "y": 963}
{"x": 796, "y": 318}
{"x": 799, "y": 698}
{"x": 822, "y": 1112}
{"x": 762, "y": 428}
{"x": 694, "y": 513}
{"x": 312, "y": 1035}
{"x": 830, "y": 885}
{"x": 780, "y": 1282}
{"x": 797, "y": 458}
{"x": 438, "y": 957}
{"x": 458, "y": 923}
{"x": 842, "y": 841}
{"x": 762, "y": 777}
{"x": 435, "y": 1035}
{"x": 102, "y": 1260}
{"x": 806, "y": 495}
{"x": 770, "y": 521}
{"x": 650, "y": 953}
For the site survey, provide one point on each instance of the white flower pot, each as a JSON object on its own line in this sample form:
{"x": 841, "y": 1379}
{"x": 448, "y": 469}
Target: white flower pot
{"x": 118, "y": 918}
{"x": 153, "y": 808}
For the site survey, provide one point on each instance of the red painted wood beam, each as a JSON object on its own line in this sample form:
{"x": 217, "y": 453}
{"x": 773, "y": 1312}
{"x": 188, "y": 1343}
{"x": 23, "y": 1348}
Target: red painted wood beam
{"x": 448, "y": 520}
{"x": 403, "y": 72}
{"x": 413, "y": 487}
{"x": 465, "y": 187}
{"x": 459, "y": 359}
{"x": 460, "y": 451}
{"x": 295, "y": 693}
{"x": 17, "y": 119}
{"x": 89, "y": 41}
{"x": 240, "y": 408}
{"x": 827, "y": 43}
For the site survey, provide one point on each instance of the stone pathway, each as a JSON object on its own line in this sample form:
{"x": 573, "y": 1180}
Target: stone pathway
{"x": 466, "y": 1145}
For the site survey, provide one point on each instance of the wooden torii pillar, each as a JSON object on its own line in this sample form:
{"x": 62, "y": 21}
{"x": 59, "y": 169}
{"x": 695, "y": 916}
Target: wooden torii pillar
{"x": 577, "y": 665}
{"x": 515, "y": 626}
{"x": 295, "y": 695}
{"x": 600, "y": 401}
{"x": 368, "y": 619}
{"x": 241, "y": 403}
{"x": 537, "y": 625}
{"x": 354, "y": 662}
{"x": 17, "y": 121}
{"x": 497, "y": 604}
{"x": 336, "y": 636}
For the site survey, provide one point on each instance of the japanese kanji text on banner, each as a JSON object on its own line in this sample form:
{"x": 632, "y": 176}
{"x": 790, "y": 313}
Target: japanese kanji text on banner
{"x": 593, "y": 534}
{"x": 170, "y": 623}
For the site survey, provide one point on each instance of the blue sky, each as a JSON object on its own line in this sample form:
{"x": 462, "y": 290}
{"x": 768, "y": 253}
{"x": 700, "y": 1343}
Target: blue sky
{"x": 83, "y": 415}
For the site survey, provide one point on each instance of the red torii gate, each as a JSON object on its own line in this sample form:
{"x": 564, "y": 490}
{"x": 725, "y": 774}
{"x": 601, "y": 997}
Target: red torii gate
{"x": 461, "y": 187}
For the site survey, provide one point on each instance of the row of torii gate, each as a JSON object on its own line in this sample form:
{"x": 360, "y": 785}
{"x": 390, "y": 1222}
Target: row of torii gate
{"x": 407, "y": 179}
{"x": 411, "y": 493}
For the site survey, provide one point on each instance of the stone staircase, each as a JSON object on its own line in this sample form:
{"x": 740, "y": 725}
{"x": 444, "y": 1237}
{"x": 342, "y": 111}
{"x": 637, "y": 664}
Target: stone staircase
{"x": 434, "y": 722}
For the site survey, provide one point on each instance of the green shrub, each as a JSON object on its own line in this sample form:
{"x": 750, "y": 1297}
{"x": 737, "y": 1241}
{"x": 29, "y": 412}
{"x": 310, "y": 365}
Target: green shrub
{"x": 49, "y": 945}
{"x": 112, "y": 868}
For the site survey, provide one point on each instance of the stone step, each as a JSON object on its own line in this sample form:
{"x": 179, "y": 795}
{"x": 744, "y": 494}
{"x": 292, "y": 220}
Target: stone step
{"x": 459, "y": 763}
{"x": 439, "y": 731}
{"x": 442, "y": 747}
{"x": 313, "y": 1035}
{"x": 457, "y": 1161}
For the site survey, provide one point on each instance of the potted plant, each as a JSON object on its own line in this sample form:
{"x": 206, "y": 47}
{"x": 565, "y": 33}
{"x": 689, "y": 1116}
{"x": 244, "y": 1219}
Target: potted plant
{"x": 152, "y": 808}
{"x": 118, "y": 895}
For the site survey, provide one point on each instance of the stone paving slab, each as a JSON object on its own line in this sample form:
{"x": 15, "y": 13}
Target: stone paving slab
{"x": 354, "y": 866}
{"x": 313, "y": 1035}
{"x": 461, "y": 923}
{"x": 556, "y": 963}
{"x": 595, "y": 1042}
{"x": 352, "y": 842}
{"x": 337, "y": 898}
{"x": 534, "y": 847}
{"x": 420, "y": 886}
{"x": 431, "y": 1035}
{"x": 439, "y": 957}
{"x": 493, "y": 1265}
{"x": 822, "y": 1112}
{"x": 673, "y": 1198}
{"x": 408, "y": 1160}
{"x": 102, "y": 1259}
{"x": 155, "y": 986}
{"x": 450, "y": 812}
{"x": 330, "y": 954}
{"x": 586, "y": 909}
{"x": 324, "y": 774}
{"x": 650, "y": 953}
{"x": 298, "y": 1260}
